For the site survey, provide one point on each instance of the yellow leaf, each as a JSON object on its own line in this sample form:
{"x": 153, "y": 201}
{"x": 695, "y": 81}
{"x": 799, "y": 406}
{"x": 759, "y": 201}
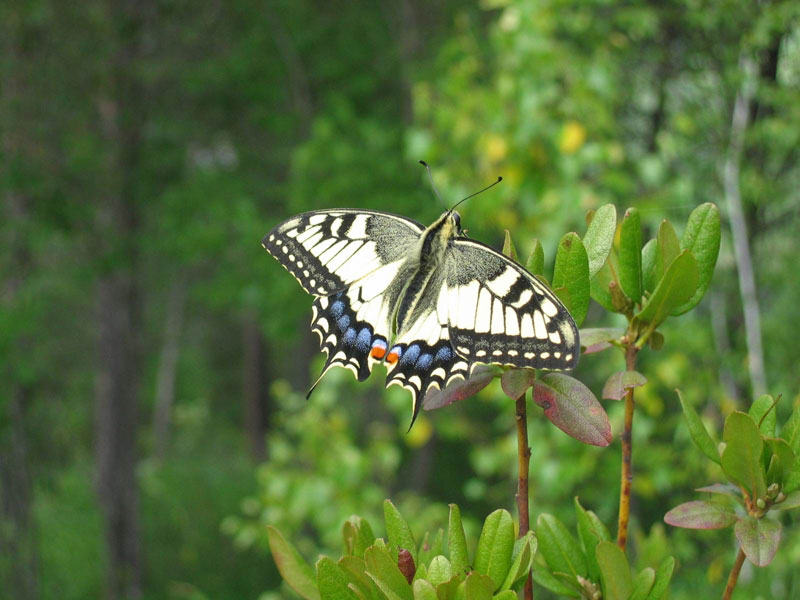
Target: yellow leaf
{"x": 496, "y": 148}
{"x": 573, "y": 135}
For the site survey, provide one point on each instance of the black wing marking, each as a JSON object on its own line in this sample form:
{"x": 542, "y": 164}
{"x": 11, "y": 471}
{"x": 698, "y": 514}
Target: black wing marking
{"x": 498, "y": 313}
{"x": 328, "y": 250}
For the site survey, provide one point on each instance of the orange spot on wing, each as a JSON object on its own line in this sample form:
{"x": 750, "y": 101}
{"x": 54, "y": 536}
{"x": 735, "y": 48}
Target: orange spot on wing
{"x": 392, "y": 357}
{"x": 378, "y": 352}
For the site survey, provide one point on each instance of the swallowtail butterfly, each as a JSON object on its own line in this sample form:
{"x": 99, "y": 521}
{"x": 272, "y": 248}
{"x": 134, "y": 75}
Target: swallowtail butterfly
{"x": 430, "y": 303}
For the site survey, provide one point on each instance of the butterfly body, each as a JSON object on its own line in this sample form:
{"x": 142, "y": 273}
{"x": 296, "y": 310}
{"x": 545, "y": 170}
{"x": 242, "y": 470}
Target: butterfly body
{"x": 429, "y": 303}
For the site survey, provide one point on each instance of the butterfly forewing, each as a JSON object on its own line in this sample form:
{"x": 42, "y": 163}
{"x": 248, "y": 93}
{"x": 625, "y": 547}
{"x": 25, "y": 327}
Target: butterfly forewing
{"x": 327, "y": 250}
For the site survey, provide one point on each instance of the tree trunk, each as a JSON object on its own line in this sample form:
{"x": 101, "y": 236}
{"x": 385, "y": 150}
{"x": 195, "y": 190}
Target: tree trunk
{"x": 254, "y": 392}
{"x": 168, "y": 367}
{"x": 733, "y": 200}
{"x": 18, "y": 556}
{"x": 119, "y": 322}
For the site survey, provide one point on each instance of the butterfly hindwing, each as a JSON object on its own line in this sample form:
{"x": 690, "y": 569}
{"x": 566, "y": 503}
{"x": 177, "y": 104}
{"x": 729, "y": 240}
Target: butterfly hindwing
{"x": 328, "y": 250}
{"x": 499, "y": 313}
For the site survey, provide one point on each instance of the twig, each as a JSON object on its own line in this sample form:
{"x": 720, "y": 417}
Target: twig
{"x": 734, "y": 576}
{"x": 626, "y": 477}
{"x": 523, "y": 462}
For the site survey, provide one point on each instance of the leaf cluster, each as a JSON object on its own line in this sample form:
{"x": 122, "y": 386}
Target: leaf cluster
{"x": 763, "y": 473}
{"x": 401, "y": 569}
{"x": 592, "y": 566}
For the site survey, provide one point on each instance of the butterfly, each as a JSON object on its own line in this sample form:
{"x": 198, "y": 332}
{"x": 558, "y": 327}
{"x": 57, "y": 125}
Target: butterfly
{"x": 428, "y": 302}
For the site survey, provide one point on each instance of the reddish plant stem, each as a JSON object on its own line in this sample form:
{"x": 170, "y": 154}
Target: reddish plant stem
{"x": 734, "y": 576}
{"x": 523, "y": 463}
{"x": 626, "y": 478}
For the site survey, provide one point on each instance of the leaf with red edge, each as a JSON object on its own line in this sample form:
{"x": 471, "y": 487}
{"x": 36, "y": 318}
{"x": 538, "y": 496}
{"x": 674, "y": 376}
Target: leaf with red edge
{"x": 481, "y": 376}
{"x": 759, "y": 539}
{"x": 620, "y": 382}
{"x": 515, "y": 382}
{"x": 700, "y": 515}
{"x": 573, "y": 408}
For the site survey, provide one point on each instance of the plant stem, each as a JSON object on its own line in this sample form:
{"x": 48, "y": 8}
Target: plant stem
{"x": 626, "y": 478}
{"x": 523, "y": 463}
{"x": 734, "y": 576}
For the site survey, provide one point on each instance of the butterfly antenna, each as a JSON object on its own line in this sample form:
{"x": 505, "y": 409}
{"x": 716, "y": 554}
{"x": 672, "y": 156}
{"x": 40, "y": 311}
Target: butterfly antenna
{"x": 430, "y": 176}
{"x": 499, "y": 179}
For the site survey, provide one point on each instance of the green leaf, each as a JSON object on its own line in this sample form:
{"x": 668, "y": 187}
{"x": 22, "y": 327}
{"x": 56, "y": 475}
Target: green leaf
{"x": 457, "y": 541}
{"x": 599, "y": 237}
{"x": 428, "y": 549}
{"x": 663, "y": 577}
{"x": 505, "y": 595}
{"x": 535, "y": 262}
{"x": 725, "y": 489}
{"x": 571, "y": 276}
{"x": 783, "y": 459}
{"x": 668, "y": 249}
{"x": 702, "y": 236}
{"x": 495, "y": 545}
{"x": 697, "y": 430}
{"x": 595, "y": 339}
{"x": 509, "y": 249}
{"x": 615, "y": 572}
{"x": 590, "y": 532}
{"x": 515, "y": 382}
{"x": 791, "y": 480}
{"x": 357, "y": 536}
{"x": 559, "y": 548}
{"x": 356, "y": 568}
{"x": 440, "y": 570}
{"x": 630, "y": 255}
{"x": 332, "y": 581}
{"x": 763, "y": 412}
{"x": 741, "y": 459}
{"x": 642, "y": 584}
{"x": 791, "y": 501}
{"x": 572, "y": 407}
{"x": 699, "y": 514}
{"x": 547, "y": 580}
{"x": 449, "y": 590}
{"x": 423, "y": 590}
{"x": 791, "y": 430}
{"x": 383, "y": 570}
{"x": 398, "y": 530}
{"x": 649, "y": 279}
{"x": 295, "y": 571}
{"x": 759, "y": 539}
{"x": 479, "y": 587}
{"x": 678, "y": 283}
{"x": 524, "y": 549}
{"x": 599, "y": 284}
{"x": 620, "y": 382}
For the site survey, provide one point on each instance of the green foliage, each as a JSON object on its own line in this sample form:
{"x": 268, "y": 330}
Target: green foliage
{"x": 389, "y": 571}
{"x": 763, "y": 471}
{"x": 592, "y": 564}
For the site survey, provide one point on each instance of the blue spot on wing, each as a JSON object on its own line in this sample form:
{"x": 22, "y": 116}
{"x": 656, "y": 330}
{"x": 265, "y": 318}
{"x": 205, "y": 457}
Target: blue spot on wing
{"x": 337, "y": 308}
{"x": 410, "y": 355}
{"x": 364, "y": 339}
{"x": 424, "y": 361}
{"x": 443, "y": 354}
{"x": 349, "y": 337}
{"x": 343, "y": 322}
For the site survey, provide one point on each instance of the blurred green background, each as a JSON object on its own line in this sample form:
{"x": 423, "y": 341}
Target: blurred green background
{"x": 155, "y": 358}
